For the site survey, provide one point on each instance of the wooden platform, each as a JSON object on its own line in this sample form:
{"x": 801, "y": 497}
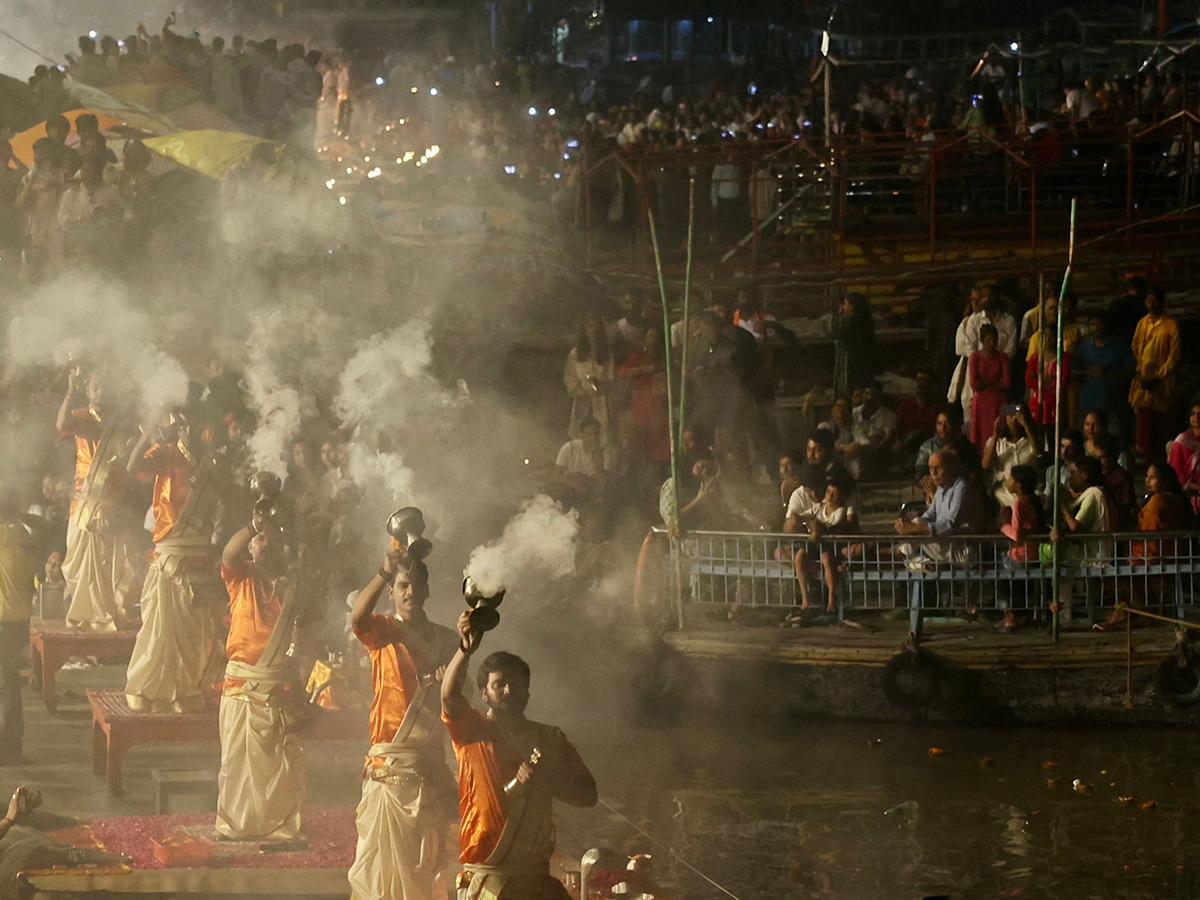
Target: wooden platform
{"x": 116, "y": 728}
{"x": 52, "y": 643}
{"x": 968, "y": 646}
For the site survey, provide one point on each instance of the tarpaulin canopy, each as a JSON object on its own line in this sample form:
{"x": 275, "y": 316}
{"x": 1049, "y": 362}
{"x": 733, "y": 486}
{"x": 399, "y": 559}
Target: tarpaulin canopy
{"x": 212, "y": 153}
{"x": 112, "y": 121}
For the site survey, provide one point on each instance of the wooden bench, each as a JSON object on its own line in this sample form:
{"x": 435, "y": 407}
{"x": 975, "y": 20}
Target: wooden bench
{"x": 52, "y": 643}
{"x": 116, "y": 728}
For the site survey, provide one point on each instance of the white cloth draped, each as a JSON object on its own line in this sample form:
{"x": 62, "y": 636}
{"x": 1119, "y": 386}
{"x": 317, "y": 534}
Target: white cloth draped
{"x": 261, "y": 784}
{"x": 399, "y": 855}
{"x": 99, "y": 575}
{"x": 177, "y": 653}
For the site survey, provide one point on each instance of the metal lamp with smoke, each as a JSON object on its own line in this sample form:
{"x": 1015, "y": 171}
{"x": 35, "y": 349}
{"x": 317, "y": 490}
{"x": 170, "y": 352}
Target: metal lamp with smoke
{"x": 266, "y": 487}
{"x": 485, "y": 613}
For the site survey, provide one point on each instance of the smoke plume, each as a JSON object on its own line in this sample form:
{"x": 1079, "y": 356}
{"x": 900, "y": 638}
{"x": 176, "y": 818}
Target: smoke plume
{"x": 540, "y": 538}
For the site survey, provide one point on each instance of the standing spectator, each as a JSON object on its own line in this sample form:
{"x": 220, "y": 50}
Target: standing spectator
{"x": 38, "y": 199}
{"x": 728, "y": 200}
{"x": 226, "y": 81}
{"x": 18, "y": 567}
{"x": 985, "y": 311}
{"x": 344, "y": 104}
{"x": 1041, "y": 377}
{"x": 588, "y": 376}
{"x": 989, "y": 378}
{"x": 1103, "y": 364}
{"x": 1156, "y": 354}
{"x": 854, "y": 344}
{"x": 1185, "y": 458}
{"x": 649, "y": 444}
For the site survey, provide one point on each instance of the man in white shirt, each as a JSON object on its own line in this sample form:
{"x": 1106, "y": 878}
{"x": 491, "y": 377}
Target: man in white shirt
{"x": 873, "y": 428}
{"x": 985, "y": 311}
{"x": 582, "y": 464}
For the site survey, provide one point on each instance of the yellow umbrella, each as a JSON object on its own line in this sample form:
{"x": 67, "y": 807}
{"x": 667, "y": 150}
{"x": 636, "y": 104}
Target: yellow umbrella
{"x": 212, "y": 153}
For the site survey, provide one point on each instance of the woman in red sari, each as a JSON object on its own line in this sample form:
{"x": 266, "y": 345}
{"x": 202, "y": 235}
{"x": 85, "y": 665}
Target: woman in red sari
{"x": 1043, "y": 390}
{"x": 989, "y": 372}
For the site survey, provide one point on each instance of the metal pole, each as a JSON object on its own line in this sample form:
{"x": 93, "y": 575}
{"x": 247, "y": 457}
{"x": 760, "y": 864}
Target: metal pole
{"x": 1058, "y": 355}
{"x": 586, "y": 164}
{"x": 662, "y": 293}
{"x": 828, "y": 102}
{"x": 687, "y": 311}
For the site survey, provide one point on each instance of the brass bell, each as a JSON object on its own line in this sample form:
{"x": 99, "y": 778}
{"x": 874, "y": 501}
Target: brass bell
{"x": 484, "y": 615}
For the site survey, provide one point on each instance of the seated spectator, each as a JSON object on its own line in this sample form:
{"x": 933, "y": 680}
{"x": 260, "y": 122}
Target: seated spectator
{"x": 1070, "y": 451}
{"x": 948, "y": 435}
{"x": 1023, "y": 517}
{"x": 1185, "y": 459}
{"x": 873, "y": 429}
{"x": 714, "y": 503}
{"x": 840, "y": 423}
{"x": 1103, "y": 365}
{"x": 1118, "y": 483}
{"x": 820, "y": 452}
{"x": 955, "y": 508}
{"x": 1013, "y": 443}
{"x": 582, "y": 465}
{"x": 832, "y": 516}
{"x": 790, "y": 465}
{"x": 805, "y": 499}
{"x": 1083, "y": 509}
{"x": 916, "y": 417}
{"x": 1166, "y": 509}
{"x": 988, "y": 372}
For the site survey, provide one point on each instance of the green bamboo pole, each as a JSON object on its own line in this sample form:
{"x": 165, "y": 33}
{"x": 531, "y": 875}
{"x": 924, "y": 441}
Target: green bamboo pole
{"x": 662, "y": 293}
{"x": 687, "y": 312}
{"x": 1058, "y": 384}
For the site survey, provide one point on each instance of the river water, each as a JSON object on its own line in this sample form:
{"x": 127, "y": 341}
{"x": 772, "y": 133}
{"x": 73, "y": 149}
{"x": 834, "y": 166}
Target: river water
{"x": 858, "y": 811}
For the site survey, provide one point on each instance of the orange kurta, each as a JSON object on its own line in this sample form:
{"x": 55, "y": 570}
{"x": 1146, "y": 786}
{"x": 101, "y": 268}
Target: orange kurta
{"x": 86, "y": 429}
{"x": 1162, "y": 512}
{"x": 398, "y": 655}
{"x": 172, "y": 487}
{"x": 252, "y": 616}
{"x": 485, "y": 765}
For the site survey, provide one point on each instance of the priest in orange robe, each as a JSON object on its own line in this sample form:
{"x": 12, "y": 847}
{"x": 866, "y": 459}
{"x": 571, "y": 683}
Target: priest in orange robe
{"x": 98, "y": 567}
{"x": 177, "y": 655}
{"x": 510, "y": 769}
{"x": 261, "y": 783}
{"x": 407, "y": 813}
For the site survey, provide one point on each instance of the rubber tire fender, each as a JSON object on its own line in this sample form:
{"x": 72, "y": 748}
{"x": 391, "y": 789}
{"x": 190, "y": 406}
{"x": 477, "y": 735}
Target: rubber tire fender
{"x": 921, "y": 668}
{"x": 1178, "y": 685}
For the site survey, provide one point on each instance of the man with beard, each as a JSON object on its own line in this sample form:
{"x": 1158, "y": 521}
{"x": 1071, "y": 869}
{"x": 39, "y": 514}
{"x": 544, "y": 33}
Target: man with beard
{"x": 176, "y": 653}
{"x": 261, "y": 783}
{"x": 510, "y": 769}
{"x": 406, "y": 817}
{"x": 98, "y": 566}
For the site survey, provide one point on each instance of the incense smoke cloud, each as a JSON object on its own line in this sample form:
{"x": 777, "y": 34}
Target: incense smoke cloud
{"x": 540, "y": 538}
{"x": 77, "y": 316}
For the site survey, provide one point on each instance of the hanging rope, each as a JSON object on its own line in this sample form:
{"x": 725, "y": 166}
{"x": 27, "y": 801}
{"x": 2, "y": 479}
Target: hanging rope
{"x": 52, "y": 62}
{"x": 720, "y": 887}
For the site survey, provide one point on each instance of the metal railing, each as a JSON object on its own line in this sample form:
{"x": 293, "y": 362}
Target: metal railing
{"x": 933, "y": 576}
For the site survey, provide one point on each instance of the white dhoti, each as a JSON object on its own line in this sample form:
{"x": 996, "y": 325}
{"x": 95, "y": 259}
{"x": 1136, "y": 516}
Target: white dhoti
{"x": 261, "y": 784}
{"x": 406, "y": 837}
{"x": 177, "y": 654}
{"x": 100, "y": 575}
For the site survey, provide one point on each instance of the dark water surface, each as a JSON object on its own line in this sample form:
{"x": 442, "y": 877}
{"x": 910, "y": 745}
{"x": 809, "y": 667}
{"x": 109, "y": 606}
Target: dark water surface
{"x": 849, "y": 811}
